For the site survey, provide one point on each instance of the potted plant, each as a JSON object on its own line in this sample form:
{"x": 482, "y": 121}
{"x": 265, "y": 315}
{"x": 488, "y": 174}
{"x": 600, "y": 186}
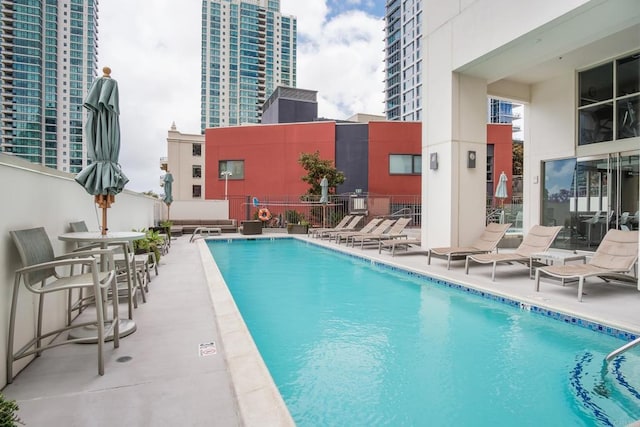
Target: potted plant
{"x": 167, "y": 224}
{"x": 8, "y": 409}
{"x": 302, "y": 227}
{"x": 151, "y": 243}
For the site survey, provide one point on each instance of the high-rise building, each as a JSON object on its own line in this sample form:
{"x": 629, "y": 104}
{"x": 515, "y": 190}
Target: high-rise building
{"x": 501, "y": 111}
{"x": 48, "y": 55}
{"x": 248, "y": 49}
{"x": 403, "y": 61}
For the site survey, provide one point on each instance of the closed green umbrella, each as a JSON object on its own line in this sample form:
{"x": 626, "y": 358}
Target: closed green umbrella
{"x": 103, "y": 177}
{"x": 168, "y": 197}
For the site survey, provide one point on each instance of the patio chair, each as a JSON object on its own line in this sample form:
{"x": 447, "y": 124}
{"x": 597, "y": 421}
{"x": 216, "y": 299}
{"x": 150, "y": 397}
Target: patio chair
{"x": 487, "y": 242}
{"x": 351, "y": 226}
{"x": 315, "y": 232}
{"x": 138, "y": 265}
{"x": 380, "y": 228}
{"x": 538, "y": 239}
{"x": 405, "y": 244}
{"x": 41, "y": 275}
{"x": 396, "y": 231}
{"x": 615, "y": 257}
{"x": 367, "y": 227}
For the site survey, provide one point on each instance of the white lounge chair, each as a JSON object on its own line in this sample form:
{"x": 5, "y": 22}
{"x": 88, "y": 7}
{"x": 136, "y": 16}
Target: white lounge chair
{"x": 538, "y": 239}
{"x": 615, "y": 257}
{"x": 487, "y": 242}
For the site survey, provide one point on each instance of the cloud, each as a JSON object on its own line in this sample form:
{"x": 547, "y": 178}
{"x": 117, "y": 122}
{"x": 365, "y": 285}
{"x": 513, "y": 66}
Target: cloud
{"x": 154, "y": 53}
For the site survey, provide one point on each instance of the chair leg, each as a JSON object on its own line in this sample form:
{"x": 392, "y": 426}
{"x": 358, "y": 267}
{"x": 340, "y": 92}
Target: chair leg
{"x": 100, "y": 295}
{"x": 12, "y": 326}
{"x": 493, "y": 272}
{"x": 39, "y": 326}
{"x": 580, "y": 286}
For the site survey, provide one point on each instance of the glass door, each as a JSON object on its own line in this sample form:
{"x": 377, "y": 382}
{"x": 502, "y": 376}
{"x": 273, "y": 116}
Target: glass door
{"x": 624, "y": 206}
{"x": 588, "y": 196}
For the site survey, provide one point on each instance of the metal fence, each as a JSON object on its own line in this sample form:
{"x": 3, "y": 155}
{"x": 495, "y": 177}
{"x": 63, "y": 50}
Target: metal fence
{"x": 285, "y": 210}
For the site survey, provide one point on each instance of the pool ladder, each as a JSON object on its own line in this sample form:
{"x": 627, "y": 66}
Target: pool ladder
{"x": 619, "y": 351}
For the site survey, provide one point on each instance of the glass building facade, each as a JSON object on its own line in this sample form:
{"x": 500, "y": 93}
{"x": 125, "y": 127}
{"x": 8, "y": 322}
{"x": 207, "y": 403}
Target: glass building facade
{"x": 49, "y": 59}
{"x": 248, "y": 49}
{"x": 403, "y": 61}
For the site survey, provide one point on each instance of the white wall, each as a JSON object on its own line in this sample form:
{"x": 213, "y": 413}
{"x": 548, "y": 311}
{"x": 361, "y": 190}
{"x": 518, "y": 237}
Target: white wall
{"x": 200, "y": 209}
{"x": 35, "y": 196}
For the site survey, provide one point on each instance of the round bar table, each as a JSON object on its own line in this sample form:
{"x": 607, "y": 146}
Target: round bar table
{"x": 126, "y": 326}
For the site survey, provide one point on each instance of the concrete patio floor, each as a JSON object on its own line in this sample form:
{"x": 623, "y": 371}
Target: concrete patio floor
{"x": 157, "y": 377}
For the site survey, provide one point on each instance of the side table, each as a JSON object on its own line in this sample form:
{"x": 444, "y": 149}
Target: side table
{"x": 554, "y": 257}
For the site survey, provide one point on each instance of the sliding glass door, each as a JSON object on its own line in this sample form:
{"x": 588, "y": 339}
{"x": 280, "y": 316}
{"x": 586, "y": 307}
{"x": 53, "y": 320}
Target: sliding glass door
{"x": 588, "y": 196}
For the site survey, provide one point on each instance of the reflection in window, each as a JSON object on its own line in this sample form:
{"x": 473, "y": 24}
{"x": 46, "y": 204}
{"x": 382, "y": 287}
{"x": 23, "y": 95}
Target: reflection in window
{"x": 558, "y": 196}
{"x": 405, "y": 164}
{"x": 605, "y": 114}
{"x": 196, "y": 171}
{"x": 628, "y": 124}
{"x": 196, "y": 150}
{"x": 236, "y": 167}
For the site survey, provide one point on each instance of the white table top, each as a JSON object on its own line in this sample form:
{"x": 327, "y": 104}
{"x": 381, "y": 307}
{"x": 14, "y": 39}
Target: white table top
{"x": 558, "y": 255}
{"x": 96, "y": 236}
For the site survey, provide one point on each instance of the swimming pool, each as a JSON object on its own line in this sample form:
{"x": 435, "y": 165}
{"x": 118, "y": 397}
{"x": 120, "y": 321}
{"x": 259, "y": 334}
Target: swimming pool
{"x": 350, "y": 342}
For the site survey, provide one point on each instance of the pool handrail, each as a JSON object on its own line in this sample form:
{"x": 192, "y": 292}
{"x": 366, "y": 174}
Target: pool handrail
{"x": 624, "y": 348}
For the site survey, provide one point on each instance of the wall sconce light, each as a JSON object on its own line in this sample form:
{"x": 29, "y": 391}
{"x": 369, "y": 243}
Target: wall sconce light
{"x": 433, "y": 161}
{"x": 471, "y": 159}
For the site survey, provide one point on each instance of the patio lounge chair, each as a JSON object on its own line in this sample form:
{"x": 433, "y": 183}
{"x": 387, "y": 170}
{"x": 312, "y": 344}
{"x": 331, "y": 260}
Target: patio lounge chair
{"x": 487, "y": 242}
{"x": 342, "y": 225}
{"x": 367, "y": 227}
{"x": 382, "y": 227}
{"x": 393, "y": 244}
{"x": 538, "y": 239}
{"x": 615, "y": 256}
{"x": 40, "y": 275}
{"x": 396, "y": 231}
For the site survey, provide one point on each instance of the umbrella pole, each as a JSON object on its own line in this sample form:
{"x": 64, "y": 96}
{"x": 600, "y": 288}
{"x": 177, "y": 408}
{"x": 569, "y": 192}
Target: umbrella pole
{"x": 104, "y": 221}
{"x": 104, "y": 201}
{"x": 324, "y": 216}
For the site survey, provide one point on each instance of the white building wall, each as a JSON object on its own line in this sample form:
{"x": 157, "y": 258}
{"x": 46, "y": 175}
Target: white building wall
{"x": 181, "y": 161}
{"x": 518, "y": 51}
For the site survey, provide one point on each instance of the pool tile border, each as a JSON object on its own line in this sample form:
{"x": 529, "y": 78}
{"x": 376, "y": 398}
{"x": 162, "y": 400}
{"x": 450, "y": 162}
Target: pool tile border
{"x": 539, "y": 310}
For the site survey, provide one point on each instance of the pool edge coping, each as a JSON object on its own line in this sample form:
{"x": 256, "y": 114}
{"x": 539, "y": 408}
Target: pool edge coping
{"x": 258, "y": 398}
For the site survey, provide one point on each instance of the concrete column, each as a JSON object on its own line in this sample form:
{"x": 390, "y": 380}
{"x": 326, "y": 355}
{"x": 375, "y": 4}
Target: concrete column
{"x": 455, "y": 120}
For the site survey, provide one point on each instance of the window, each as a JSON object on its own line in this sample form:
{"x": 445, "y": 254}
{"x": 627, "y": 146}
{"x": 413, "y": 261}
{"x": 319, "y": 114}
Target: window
{"x": 196, "y": 191}
{"x": 196, "y": 171}
{"x": 197, "y": 150}
{"x": 405, "y": 164}
{"x": 235, "y": 167}
{"x": 609, "y": 98}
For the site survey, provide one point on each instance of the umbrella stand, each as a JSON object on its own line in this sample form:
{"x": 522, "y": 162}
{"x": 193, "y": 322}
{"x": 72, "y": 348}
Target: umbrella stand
{"x": 104, "y": 201}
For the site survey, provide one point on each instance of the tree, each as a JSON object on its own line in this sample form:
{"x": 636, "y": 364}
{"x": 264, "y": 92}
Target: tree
{"x": 518, "y": 157}
{"x": 317, "y": 169}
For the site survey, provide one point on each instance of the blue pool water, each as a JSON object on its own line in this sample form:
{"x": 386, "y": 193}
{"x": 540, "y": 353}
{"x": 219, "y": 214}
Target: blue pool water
{"x": 352, "y": 343}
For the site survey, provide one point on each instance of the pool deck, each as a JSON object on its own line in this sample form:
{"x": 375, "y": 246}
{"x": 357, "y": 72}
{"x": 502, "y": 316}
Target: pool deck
{"x": 158, "y": 376}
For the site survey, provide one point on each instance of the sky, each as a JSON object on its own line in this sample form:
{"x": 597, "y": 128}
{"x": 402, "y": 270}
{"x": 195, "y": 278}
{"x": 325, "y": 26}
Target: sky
{"x": 154, "y": 54}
